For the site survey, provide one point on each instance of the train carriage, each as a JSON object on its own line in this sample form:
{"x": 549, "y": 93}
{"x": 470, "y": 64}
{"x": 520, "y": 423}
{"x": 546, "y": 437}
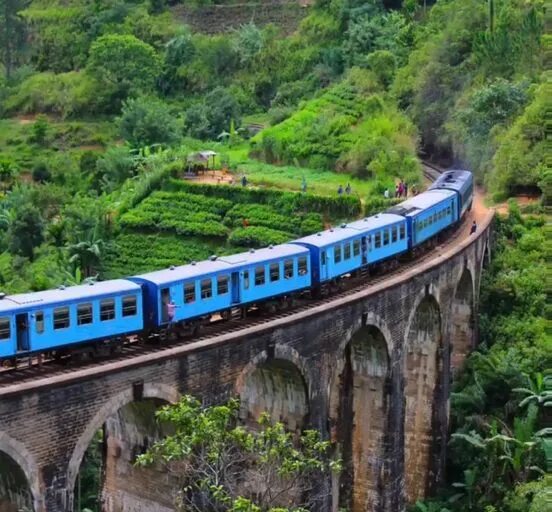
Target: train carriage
{"x": 460, "y": 182}
{"x": 53, "y": 319}
{"x": 207, "y": 287}
{"x": 428, "y": 214}
{"x": 345, "y": 249}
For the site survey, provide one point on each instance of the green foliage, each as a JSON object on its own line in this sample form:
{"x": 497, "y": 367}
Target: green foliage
{"x": 497, "y": 409}
{"x": 25, "y": 231}
{"x": 64, "y": 94}
{"x": 213, "y": 116}
{"x": 145, "y": 121}
{"x": 346, "y": 128}
{"x": 257, "y": 237}
{"x": 520, "y": 159}
{"x": 212, "y": 438}
{"x": 123, "y": 65}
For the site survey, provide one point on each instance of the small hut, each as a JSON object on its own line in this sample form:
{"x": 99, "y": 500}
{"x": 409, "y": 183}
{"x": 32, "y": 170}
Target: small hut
{"x": 200, "y": 161}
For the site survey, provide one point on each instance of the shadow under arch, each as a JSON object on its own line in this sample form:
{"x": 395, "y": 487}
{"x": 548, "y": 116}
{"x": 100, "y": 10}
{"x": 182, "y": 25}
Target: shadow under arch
{"x": 462, "y": 320}
{"x": 157, "y": 391}
{"x": 279, "y": 385}
{"x": 17, "y": 452}
{"x": 423, "y": 387}
{"x": 359, "y": 412}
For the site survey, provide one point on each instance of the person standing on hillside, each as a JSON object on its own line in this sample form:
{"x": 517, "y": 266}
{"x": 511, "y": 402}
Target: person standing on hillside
{"x": 348, "y": 189}
{"x": 386, "y": 193}
{"x": 244, "y": 181}
{"x": 340, "y": 191}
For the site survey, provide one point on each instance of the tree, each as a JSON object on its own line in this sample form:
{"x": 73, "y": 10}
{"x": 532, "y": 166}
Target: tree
{"x": 145, "y": 121}
{"x": 208, "y": 119}
{"x": 41, "y": 173}
{"x": 86, "y": 254}
{"x": 220, "y": 466}
{"x": 12, "y": 32}
{"x": 26, "y": 231}
{"x": 123, "y": 64}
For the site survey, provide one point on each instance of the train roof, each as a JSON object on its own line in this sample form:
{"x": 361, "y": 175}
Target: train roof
{"x": 421, "y": 202}
{"x": 67, "y": 294}
{"x": 375, "y": 221}
{"x": 454, "y": 179}
{"x": 350, "y": 230}
{"x": 268, "y": 253}
{"x": 230, "y": 263}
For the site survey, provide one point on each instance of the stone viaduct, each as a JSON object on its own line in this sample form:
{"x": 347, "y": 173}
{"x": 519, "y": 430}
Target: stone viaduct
{"x": 371, "y": 370}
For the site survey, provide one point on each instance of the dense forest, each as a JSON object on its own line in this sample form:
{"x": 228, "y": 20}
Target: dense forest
{"x": 102, "y": 102}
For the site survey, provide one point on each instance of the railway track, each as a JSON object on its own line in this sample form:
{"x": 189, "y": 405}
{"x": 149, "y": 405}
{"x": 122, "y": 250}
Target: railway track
{"x": 28, "y": 372}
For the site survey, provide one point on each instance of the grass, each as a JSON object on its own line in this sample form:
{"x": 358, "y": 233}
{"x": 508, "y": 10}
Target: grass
{"x": 290, "y": 178}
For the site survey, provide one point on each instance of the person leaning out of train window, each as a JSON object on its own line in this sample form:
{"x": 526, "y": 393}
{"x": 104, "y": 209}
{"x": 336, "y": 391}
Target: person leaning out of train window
{"x": 171, "y": 310}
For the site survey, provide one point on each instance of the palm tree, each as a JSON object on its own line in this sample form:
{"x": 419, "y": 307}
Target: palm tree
{"x": 87, "y": 253}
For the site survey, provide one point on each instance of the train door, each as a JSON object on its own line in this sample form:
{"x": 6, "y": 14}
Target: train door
{"x": 235, "y": 287}
{"x": 364, "y": 249}
{"x": 165, "y": 298}
{"x": 22, "y": 326}
{"x": 323, "y": 265}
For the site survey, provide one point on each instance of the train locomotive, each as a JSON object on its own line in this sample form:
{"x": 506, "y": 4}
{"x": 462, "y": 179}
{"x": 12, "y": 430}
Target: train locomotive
{"x": 98, "y": 317}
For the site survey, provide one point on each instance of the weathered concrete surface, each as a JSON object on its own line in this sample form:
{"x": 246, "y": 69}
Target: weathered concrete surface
{"x": 371, "y": 370}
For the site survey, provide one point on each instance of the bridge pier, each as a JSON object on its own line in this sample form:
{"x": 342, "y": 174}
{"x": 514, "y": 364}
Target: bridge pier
{"x": 371, "y": 370}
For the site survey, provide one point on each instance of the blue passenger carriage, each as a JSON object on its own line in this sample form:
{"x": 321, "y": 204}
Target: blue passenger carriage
{"x": 345, "y": 249}
{"x": 460, "y": 182}
{"x": 53, "y": 319}
{"x": 219, "y": 284}
{"x": 428, "y": 214}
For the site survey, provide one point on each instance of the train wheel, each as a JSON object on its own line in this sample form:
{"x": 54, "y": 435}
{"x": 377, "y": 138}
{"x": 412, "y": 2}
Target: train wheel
{"x": 226, "y": 315}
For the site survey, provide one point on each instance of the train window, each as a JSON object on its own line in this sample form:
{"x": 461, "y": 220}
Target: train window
{"x": 5, "y": 328}
{"x": 385, "y": 237}
{"x": 402, "y": 232}
{"x": 303, "y": 268}
{"x": 347, "y": 251}
{"x": 323, "y": 258}
{"x": 206, "y": 289}
{"x": 61, "y": 318}
{"x": 288, "y": 269}
{"x": 356, "y": 247}
{"x": 337, "y": 253}
{"x": 246, "y": 279}
{"x": 107, "y": 310}
{"x": 377, "y": 240}
{"x": 129, "y": 305}
{"x": 84, "y": 314}
{"x": 39, "y": 322}
{"x": 434, "y": 217}
{"x": 394, "y": 230}
{"x": 222, "y": 285}
{"x": 259, "y": 276}
{"x": 189, "y": 293}
{"x": 274, "y": 272}
{"x": 448, "y": 210}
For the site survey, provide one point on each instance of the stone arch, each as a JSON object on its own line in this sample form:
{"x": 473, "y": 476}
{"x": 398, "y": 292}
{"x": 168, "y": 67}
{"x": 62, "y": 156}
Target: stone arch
{"x": 462, "y": 320}
{"x": 422, "y": 376}
{"x": 114, "y": 404}
{"x": 278, "y": 385}
{"x": 22, "y": 458}
{"x": 362, "y": 389}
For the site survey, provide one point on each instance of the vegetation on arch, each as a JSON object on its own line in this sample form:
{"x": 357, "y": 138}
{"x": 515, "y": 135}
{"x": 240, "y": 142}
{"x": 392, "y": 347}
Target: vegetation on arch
{"x": 219, "y": 465}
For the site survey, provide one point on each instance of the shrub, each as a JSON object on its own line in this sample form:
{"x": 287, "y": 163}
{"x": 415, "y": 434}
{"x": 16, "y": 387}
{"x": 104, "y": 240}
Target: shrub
{"x": 41, "y": 173}
{"x": 257, "y": 237}
{"x": 64, "y": 94}
{"x": 146, "y": 120}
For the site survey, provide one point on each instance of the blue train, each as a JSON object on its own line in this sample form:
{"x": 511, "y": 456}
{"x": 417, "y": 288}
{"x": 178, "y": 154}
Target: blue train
{"x": 97, "y": 317}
